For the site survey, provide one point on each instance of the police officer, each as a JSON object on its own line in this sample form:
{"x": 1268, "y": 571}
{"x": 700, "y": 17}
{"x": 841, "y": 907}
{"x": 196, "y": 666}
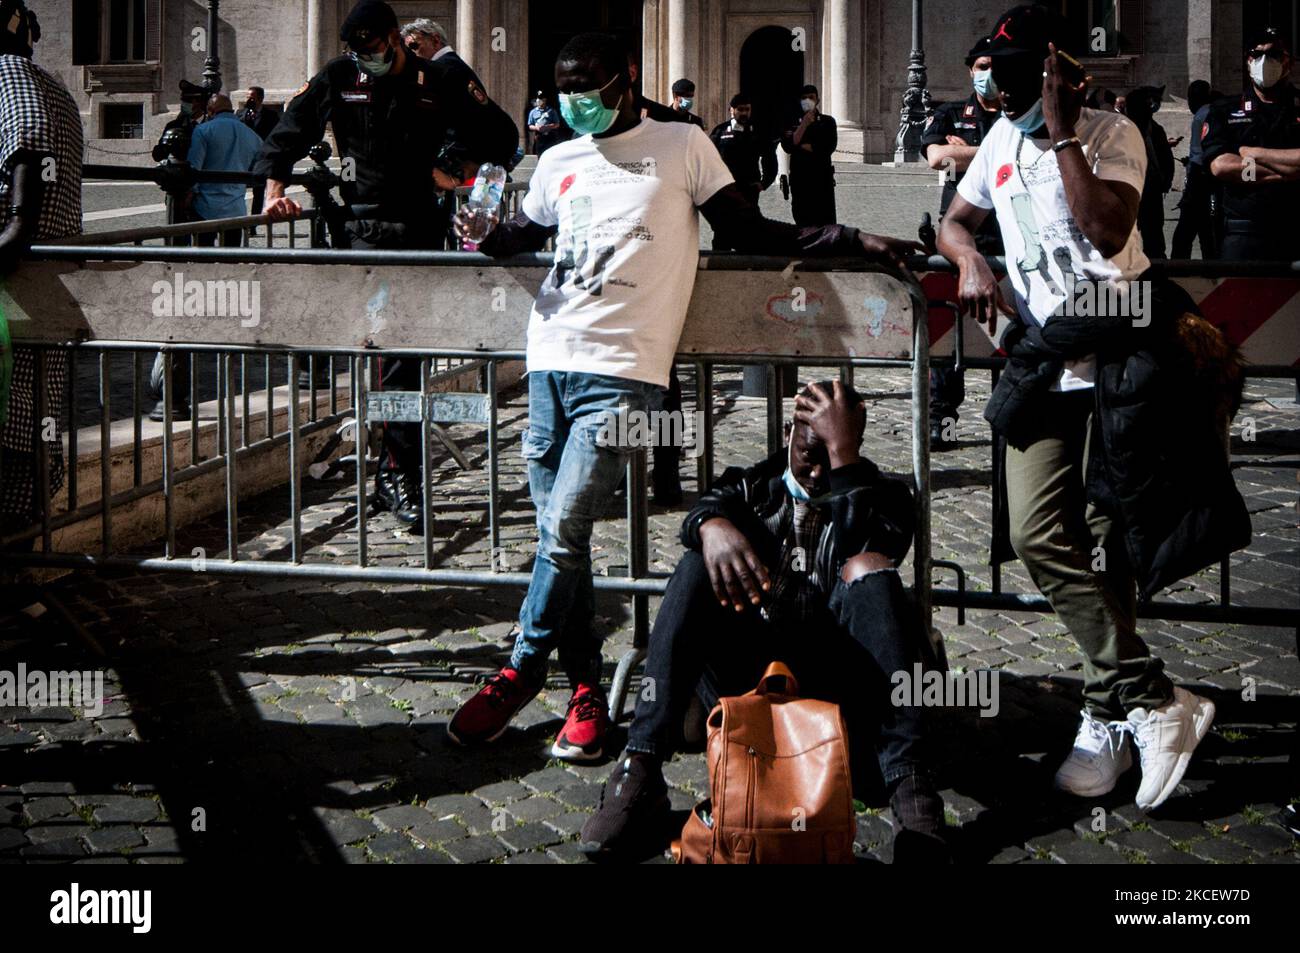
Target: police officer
{"x": 951, "y": 140}
{"x": 1251, "y": 145}
{"x": 752, "y": 160}
{"x": 174, "y": 146}
{"x": 811, "y": 143}
{"x": 684, "y": 101}
{"x": 405, "y": 130}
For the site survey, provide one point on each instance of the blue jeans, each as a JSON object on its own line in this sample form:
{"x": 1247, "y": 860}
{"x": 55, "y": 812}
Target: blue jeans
{"x": 571, "y": 477}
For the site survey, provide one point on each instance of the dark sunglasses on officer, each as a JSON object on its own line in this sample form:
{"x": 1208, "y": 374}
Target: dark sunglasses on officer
{"x": 1276, "y": 54}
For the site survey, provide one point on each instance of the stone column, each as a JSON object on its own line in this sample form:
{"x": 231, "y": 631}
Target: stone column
{"x": 677, "y": 44}
{"x": 1200, "y": 39}
{"x": 315, "y": 36}
{"x": 841, "y": 100}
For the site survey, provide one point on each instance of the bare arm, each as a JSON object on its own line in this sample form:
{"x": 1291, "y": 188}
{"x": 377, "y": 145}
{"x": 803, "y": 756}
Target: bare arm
{"x": 937, "y": 156}
{"x": 1285, "y": 162}
{"x": 977, "y": 288}
{"x": 1231, "y": 167}
{"x": 1105, "y": 211}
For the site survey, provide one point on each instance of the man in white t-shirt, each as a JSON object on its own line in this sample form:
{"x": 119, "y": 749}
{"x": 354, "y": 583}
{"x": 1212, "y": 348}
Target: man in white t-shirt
{"x": 1065, "y": 184}
{"x": 621, "y": 199}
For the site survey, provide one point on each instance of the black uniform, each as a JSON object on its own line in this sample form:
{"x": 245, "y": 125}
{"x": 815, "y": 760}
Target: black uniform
{"x": 970, "y": 122}
{"x": 751, "y": 159}
{"x": 684, "y": 115}
{"x": 812, "y": 173}
{"x": 263, "y": 122}
{"x": 394, "y": 127}
{"x": 1259, "y": 220}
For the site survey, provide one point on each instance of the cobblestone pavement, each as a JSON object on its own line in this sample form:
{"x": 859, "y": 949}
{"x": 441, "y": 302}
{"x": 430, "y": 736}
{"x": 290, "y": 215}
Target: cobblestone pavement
{"x": 289, "y": 720}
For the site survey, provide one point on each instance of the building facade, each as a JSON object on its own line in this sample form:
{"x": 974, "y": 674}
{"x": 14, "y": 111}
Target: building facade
{"x": 123, "y": 59}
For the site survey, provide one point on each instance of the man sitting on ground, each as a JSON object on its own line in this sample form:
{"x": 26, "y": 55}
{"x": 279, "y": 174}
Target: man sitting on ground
{"x": 794, "y": 559}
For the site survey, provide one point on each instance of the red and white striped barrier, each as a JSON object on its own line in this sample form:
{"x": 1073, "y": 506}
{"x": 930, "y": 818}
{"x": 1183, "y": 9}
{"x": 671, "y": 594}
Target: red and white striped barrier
{"x": 1260, "y": 315}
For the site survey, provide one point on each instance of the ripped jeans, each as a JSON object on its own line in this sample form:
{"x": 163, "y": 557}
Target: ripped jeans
{"x": 572, "y": 475}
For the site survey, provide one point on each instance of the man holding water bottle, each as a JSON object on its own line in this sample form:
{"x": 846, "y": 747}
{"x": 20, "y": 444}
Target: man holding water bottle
{"x": 406, "y": 131}
{"x": 621, "y": 199}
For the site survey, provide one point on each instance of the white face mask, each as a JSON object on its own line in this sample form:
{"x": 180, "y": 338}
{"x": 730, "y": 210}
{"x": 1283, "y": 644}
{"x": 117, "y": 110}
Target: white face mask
{"x": 1265, "y": 72}
{"x": 807, "y": 105}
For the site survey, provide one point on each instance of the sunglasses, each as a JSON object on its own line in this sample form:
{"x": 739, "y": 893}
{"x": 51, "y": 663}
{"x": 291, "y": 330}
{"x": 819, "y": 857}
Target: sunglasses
{"x": 1275, "y": 55}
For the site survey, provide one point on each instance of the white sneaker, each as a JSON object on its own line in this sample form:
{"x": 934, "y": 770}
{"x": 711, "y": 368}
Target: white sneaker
{"x": 1165, "y": 740}
{"x": 1101, "y": 754}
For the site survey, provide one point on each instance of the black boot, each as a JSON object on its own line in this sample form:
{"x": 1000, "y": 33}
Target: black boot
{"x": 633, "y": 810}
{"x": 918, "y": 813}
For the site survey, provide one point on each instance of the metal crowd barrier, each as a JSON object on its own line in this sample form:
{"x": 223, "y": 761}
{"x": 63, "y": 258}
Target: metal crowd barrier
{"x": 357, "y": 306}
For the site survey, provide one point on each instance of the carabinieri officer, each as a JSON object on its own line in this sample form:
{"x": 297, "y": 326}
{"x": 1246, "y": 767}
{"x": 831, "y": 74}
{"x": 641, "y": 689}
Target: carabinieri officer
{"x": 1251, "y": 144}
{"x": 392, "y": 114}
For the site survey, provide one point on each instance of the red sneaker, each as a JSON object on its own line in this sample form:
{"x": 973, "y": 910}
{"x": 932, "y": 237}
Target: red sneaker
{"x": 487, "y": 714}
{"x": 583, "y": 736}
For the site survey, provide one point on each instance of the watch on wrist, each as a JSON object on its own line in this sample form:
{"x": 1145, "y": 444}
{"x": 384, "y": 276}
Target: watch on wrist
{"x": 1066, "y": 143}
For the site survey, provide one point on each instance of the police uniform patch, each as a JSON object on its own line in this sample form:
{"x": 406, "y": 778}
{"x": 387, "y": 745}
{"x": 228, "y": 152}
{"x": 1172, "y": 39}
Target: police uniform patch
{"x": 477, "y": 92}
{"x": 970, "y": 110}
{"x": 302, "y": 89}
{"x": 355, "y": 96}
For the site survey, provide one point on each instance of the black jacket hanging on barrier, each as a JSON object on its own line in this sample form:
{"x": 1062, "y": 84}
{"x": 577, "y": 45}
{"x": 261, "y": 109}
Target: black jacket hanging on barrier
{"x": 1165, "y": 393}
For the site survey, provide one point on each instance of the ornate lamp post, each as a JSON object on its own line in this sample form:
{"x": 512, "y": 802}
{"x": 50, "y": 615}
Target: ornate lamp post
{"x": 212, "y": 65}
{"x": 917, "y": 107}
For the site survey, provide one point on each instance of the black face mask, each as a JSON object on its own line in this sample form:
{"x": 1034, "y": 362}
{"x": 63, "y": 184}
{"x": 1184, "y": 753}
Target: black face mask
{"x": 1019, "y": 79}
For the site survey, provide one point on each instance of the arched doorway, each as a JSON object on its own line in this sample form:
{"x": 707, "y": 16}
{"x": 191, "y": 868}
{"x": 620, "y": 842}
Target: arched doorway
{"x": 771, "y": 73}
{"x": 551, "y": 25}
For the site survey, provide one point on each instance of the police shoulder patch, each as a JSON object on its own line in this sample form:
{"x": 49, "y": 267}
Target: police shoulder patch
{"x": 477, "y": 92}
{"x": 301, "y": 89}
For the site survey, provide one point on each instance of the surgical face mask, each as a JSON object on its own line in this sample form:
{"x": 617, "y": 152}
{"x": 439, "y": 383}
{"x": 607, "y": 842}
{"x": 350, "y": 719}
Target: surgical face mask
{"x": 686, "y": 102}
{"x": 807, "y": 105}
{"x": 375, "y": 64}
{"x": 586, "y": 113}
{"x": 1029, "y": 120}
{"x": 984, "y": 85}
{"x": 1265, "y": 72}
{"x": 795, "y": 488}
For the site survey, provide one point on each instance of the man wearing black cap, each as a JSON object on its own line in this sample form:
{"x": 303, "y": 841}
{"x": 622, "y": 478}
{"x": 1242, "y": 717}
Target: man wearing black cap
{"x": 404, "y": 133}
{"x": 811, "y": 143}
{"x": 684, "y": 100}
{"x": 1065, "y": 182}
{"x": 951, "y": 140}
{"x": 1251, "y": 145}
{"x": 751, "y": 159}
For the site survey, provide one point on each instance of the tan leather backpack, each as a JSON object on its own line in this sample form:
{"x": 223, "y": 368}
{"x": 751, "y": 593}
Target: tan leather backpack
{"x": 779, "y": 779}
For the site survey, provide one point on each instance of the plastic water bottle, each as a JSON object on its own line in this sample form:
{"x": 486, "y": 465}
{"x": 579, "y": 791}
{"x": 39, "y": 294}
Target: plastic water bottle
{"x": 483, "y": 210}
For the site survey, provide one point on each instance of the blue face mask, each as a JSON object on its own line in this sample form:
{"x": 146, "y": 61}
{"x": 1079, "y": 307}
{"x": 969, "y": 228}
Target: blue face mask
{"x": 586, "y": 113}
{"x": 687, "y": 103}
{"x": 984, "y": 84}
{"x": 1029, "y": 121}
{"x": 795, "y": 487}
